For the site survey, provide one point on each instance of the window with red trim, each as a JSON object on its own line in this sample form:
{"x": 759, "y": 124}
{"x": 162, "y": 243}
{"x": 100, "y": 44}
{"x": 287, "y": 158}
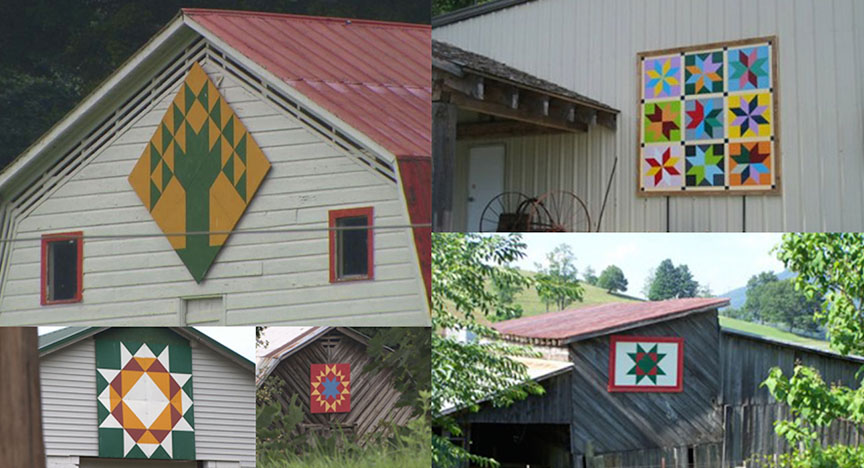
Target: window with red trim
{"x": 62, "y": 272}
{"x": 351, "y": 247}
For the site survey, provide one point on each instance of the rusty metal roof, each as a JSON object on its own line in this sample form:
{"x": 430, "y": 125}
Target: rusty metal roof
{"x": 571, "y": 325}
{"x": 376, "y": 76}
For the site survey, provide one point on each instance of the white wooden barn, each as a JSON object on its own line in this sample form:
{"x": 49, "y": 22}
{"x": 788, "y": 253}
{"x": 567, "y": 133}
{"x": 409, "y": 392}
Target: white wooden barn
{"x": 321, "y": 124}
{"x": 584, "y": 56}
{"x": 221, "y": 395}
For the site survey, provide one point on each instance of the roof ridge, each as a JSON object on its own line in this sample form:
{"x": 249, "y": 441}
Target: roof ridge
{"x": 333, "y": 19}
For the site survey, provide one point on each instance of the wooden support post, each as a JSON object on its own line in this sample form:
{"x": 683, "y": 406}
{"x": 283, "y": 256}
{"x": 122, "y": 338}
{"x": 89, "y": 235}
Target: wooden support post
{"x": 444, "y": 116}
{"x": 21, "y": 441}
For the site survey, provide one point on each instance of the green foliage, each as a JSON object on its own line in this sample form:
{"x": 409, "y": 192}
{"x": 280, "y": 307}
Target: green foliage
{"x": 507, "y": 292}
{"x": 829, "y": 266}
{"x": 558, "y": 282}
{"x": 589, "y": 276}
{"x": 443, "y": 6}
{"x": 612, "y": 279}
{"x": 777, "y": 301}
{"x": 671, "y": 282}
{"x": 275, "y": 425}
{"x": 409, "y": 360}
{"x": 465, "y": 373}
{"x": 54, "y": 53}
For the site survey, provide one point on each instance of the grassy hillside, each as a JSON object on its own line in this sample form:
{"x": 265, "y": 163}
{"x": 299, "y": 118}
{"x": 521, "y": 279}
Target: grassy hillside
{"x": 770, "y": 332}
{"x": 532, "y": 305}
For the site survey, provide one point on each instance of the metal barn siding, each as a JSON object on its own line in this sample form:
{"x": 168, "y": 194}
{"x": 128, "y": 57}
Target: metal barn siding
{"x": 373, "y": 397}
{"x": 590, "y": 46}
{"x": 607, "y": 421}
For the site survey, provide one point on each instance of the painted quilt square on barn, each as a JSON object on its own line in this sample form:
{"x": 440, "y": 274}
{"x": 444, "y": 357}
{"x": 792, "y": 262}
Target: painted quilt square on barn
{"x": 662, "y": 166}
{"x": 704, "y": 165}
{"x": 144, "y": 395}
{"x": 750, "y": 163}
{"x": 725, "y": 98}
{"x": 662, "y": 121}
{"x": 646, "y": 364}
{"x": 330, "y": 388}
{"x": 749, "y": 68}
{"x": 704, "y": 119}
{"x": 199, "y": 172}
{"x": 662, "y": 77}
{"x": 703, "y": 73}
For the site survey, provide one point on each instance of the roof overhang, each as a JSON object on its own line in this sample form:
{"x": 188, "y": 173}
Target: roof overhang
{"x": 474, "y": 11}
{"x": 518, "y": 103}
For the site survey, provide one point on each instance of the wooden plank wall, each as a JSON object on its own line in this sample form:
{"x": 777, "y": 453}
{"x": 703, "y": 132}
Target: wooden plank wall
{"x": 21, "y": 422}
{"x": 702, "y": 456}
{"x": 373, "y": 397}
{"x": 615, "y": 422}
{"x": 553, "y": 407}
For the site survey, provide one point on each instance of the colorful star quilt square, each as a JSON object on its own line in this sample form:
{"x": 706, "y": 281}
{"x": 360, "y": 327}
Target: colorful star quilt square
{"x": 646, "y": 364}
{"x": 705, "y": 165}
{"x": 662, "y": 121}
{"x": 703, "y": 73}
{"x": 750, "y": 164}
{"x": 330, "y": 388}
{"x": 662, "y": 166}
{"x": 749, "y": 68}
{"x": 662, "y": 77}
{"x": 749, "y": 115}
{"x": 703, "y": 119}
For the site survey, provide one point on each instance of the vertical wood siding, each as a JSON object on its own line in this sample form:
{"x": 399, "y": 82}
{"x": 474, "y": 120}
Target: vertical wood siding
{"x": 553, "y": 407}
{"x": 373, "y": 397}
{"x": 223, "y": 394}
{"x": 274, "y": 277}
{"x": 590, "y": 46}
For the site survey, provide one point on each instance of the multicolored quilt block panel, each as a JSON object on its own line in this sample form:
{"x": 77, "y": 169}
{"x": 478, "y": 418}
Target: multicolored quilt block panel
{"x": 709, "y": 119}
{"x": 144, "y": 399}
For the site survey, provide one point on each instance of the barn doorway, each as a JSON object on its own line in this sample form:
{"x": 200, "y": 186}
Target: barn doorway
{"x": 523, "y": 445}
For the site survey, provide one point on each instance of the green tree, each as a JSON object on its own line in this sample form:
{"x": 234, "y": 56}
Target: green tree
{"x": 444, "y": 6}
{"x": 507, "y": 292}
{"x": 777, "y": 301}
{"x": 830, "y": 266}
{"x": 559, "y": 281}
{"x": 404, "y": 352}
{"x": 612, "y": 279}
{"x": 670, "y": 282}
{"x": 589, "y": 276}
{"x": 463, "y": 373}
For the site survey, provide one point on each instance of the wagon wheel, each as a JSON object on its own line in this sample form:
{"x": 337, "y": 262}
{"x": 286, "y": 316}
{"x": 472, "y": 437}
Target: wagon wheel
{"x": 507, "y": 212}
{"x": 560, "y": 211}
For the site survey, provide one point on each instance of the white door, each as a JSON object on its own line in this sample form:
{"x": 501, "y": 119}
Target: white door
{"x": 485, "y": 180}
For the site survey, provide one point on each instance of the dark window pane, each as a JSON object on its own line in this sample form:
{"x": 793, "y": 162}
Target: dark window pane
{"x": 351, "y": 247}
{"x": 62, "y": 270}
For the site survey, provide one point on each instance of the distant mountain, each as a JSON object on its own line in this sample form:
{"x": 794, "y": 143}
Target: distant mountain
{"x": 738, "y": 296}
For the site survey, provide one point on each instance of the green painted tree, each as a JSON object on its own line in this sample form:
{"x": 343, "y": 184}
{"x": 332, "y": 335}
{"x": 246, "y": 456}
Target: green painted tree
{"x": 671, "y": 282}
{"x": 465, "y": 372}
{"x": 612, "y": 279}
{"x": 830, "y": 266}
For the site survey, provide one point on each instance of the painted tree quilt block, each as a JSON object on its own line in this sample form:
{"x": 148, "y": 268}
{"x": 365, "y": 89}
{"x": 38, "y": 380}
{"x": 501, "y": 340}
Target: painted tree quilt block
{"x": 750, "y": 163}
{"x": 662, "y": 77}
{"x": 703, "y": 73}
{"x": 144, "y": 397}
{"x": 704, "y": 119}
{"x": 662, "y": 121}
{"x": 662, "y": 166}
{"x": 717, "y": 103}
{"x": 705, "y": 165}
{"x": 749, "y": 115}
{"x": 646, "y": 364}
{"x": 199, "y": 172}
{"x": 330, "y": 388}
{"x": 749, "y": 68}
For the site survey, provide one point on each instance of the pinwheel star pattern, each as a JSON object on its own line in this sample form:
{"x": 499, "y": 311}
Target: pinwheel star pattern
{"x": 749, "y": 115}
{"x": 662, "y": 121}
{"x": 748, "y": 68}
{"x": 704, "y": 165}
{"x": 662, "y": 77}
{"x": 750, "y": 163}
{"x": 662, "y": 166}
{"x": 703, "y": 73}
{"x": 703, "y": 119}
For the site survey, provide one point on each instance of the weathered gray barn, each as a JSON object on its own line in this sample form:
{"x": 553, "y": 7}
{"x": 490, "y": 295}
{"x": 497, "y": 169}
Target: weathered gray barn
{"x": 546, "y": 115}
{"x": 719, "y": 417}
{"x": 373, "y": 397}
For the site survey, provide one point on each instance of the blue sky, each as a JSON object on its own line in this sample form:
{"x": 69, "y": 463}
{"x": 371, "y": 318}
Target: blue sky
{"x": 723, "y": 261}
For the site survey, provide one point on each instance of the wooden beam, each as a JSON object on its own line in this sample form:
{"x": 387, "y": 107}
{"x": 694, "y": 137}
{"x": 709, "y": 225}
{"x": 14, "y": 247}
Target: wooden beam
{"x": 608, "y": 120}
{"x": 522, "y": 115}
{"x": 499, "y": 129}
{"x": 444, "y": 115}
{"x": 21, "y": 442}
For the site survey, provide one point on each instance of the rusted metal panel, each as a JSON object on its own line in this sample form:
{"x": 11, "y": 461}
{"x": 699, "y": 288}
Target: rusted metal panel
{"x": 416, "y": 175}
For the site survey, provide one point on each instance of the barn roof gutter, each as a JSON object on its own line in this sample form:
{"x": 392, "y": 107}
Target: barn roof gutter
{"x": 474, "y": 11}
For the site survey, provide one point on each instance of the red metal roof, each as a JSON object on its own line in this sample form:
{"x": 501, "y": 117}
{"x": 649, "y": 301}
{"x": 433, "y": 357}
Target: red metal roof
{"x": 575, "y": 324}
{"x": 376, "y": 76}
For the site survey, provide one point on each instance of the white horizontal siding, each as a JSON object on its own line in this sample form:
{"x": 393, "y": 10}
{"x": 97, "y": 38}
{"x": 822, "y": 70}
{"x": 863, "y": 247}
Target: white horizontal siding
{"x": 223, "y": 396}
{"x": 141, "y": 280}
{"x": 590, "y": 46}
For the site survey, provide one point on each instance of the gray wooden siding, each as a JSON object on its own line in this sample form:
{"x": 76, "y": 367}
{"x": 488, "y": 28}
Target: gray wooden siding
{"x": 590, "y": 46}
{"x": 223, "y": 394}
{"x": 272, "y": 278}
{"x": 553, "y": 407}
{"x": 616, "y": 422}
{"x": 373, "y": 397}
